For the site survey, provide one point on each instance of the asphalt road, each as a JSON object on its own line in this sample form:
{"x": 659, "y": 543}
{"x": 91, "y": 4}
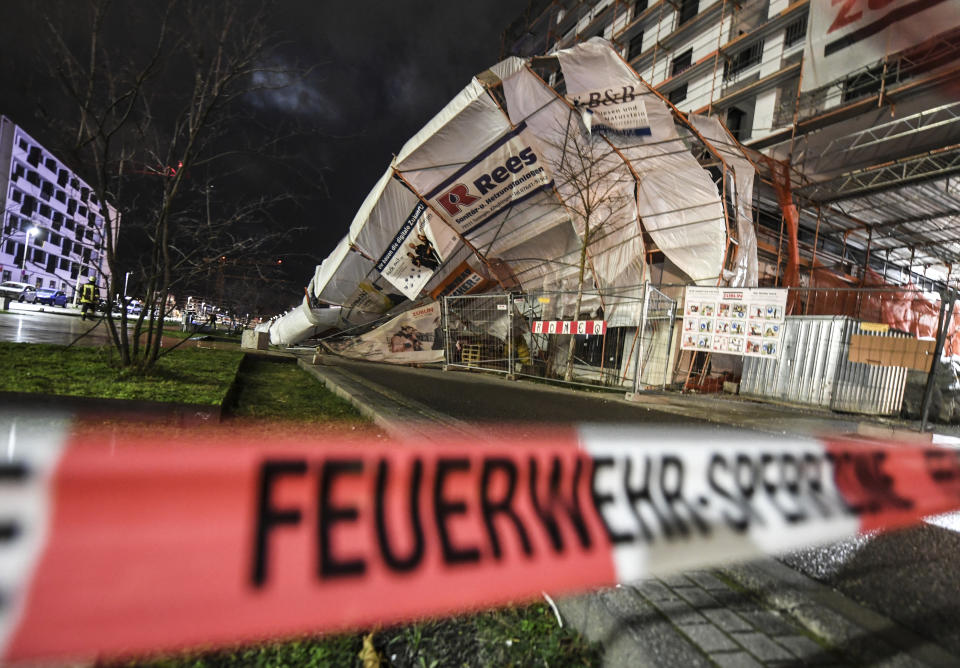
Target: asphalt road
{"x": 31, "y": 323}
{"x": 484, "y": 398}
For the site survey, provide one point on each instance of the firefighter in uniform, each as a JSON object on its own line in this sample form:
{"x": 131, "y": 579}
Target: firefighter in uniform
{"x": 89, "y": 296}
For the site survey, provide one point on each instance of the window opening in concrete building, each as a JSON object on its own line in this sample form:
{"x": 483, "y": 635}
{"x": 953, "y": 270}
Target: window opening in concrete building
{"x": 795, "y": 32}
{"x": 744, "y": 59}
{"x": 688, "y": 9}
{"x": 635, "y": 47}
{"x": 735, "y": 122}
{"x": 681, "y": 62}
{"x": 678, "y": 95}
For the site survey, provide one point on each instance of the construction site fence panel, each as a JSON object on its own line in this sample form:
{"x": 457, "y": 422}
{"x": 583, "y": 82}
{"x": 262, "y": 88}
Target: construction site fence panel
{"x": 868, "y": 351}
{"x": 530, "y": 334}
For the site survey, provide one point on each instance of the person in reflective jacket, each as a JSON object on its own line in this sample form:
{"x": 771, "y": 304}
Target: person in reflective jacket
{"x": 89, "y": 296}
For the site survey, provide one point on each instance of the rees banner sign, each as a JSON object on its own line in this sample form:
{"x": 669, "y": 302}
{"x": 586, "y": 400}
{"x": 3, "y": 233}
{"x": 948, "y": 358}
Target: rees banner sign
{"x": 510, "y": 171}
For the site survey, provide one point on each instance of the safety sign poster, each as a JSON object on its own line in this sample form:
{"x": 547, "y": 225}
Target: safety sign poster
{"x": 735, "y": 321}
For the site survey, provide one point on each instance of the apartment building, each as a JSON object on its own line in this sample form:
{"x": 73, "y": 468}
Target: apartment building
{"x": 53, "y": 223}
{"x": 860, "y": 99}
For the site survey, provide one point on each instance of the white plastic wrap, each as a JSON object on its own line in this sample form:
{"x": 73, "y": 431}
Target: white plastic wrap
{"x": 679, "y": 204}
{"x": 746, "y": 270}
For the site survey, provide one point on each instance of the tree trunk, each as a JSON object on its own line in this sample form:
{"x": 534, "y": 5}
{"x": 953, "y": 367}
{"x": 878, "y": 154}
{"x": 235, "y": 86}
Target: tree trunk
{"x": 568, "y": 374}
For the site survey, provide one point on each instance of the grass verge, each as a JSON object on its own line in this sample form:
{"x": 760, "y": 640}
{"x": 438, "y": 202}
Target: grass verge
{"x": 520, "y": 636}
{"x": 277, "y": 389}
{"x": 186, "y": 375}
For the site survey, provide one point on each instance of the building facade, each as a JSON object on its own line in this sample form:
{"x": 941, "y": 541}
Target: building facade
{"x": 860, "y": 99}
{"x": 53, "y": 223}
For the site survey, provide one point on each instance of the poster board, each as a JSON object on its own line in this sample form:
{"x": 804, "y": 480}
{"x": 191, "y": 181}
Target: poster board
{"x": 733, "y": 321}
{"x": 413, "y": 337}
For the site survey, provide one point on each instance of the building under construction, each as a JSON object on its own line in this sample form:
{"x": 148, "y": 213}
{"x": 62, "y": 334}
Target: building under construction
{"x": 623, "y": 152}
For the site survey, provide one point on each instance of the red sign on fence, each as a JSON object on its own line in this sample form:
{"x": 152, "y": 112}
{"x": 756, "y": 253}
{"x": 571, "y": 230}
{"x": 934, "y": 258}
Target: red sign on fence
{"x": 569, "y": 327}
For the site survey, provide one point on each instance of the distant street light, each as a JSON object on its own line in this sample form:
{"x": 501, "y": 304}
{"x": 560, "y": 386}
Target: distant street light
{"x": 26, "y": 247}
{"x": 126, "y": 279}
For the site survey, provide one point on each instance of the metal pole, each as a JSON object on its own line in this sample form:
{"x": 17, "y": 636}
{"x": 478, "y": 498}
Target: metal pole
{"x": 643, "y": 324}
{"x": 672, "y": 317}
{"x": 510, "y": 364}
{"x": 126, "y": 280}
{"x": 943, "y": 326}
{"x": 446, "y": 334}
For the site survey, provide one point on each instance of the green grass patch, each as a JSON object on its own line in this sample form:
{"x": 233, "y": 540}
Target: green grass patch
{"x": 523, "y": 636}
{"x": 187, "y": 375}
{"x": 277, "y": 389}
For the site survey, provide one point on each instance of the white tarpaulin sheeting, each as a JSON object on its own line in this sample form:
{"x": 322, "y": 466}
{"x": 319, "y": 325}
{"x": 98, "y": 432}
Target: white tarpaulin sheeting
{"x": 746, "y": 269}
{"x": 679, "y": 205}
{"x": 595, "y": 185}
{"x": 844, "y": 36}
{"x": 302, "y": 322}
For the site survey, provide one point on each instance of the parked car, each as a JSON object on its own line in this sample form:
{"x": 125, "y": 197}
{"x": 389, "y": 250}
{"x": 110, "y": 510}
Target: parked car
{"x": 51, "y": 297}
{"x": 22, "y": 292}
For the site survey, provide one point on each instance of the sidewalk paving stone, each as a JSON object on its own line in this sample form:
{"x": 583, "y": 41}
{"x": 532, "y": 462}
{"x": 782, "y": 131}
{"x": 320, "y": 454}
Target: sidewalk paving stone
{"x": 736, "y": 660}
{"x": 696, "y": 597}
{"x": 727, "y": 620}
{"x": 709, "y": 638}
{"x": 762, "y": 647}
{"x": 708, "y": 581}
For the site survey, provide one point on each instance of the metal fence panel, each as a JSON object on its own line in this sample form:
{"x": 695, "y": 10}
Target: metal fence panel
{"x": 814, "y": 369}
{"x": 656, "y": 342}
{"x": 869, "y": 388}
{"x": 494, "y": 333}
{"x": 479, "y": 332}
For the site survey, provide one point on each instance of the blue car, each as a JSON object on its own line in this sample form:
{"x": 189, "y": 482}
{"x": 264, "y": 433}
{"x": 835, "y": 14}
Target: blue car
{"x": 51, "y": 297}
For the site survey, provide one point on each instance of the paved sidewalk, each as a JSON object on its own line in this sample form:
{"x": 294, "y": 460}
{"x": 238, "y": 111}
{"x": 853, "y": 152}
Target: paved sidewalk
{"x": 761, "y": 613}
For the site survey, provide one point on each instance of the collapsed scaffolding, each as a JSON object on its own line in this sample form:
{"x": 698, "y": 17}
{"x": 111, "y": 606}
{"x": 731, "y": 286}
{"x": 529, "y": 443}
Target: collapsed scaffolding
{"x": 594, "y": 192}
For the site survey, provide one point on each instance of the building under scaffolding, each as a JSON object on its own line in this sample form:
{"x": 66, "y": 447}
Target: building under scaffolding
{"x": 872, "y": 138}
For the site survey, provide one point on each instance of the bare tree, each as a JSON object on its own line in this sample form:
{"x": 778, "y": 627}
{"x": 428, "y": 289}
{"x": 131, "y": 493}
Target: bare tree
{"x": 152, "y": 123}
{"x": 596, "y": 188}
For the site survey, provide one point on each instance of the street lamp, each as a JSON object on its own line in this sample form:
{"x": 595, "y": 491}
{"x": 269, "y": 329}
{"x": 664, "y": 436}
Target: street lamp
{"x": 126, "y": 280}
{"x": 26, "y": 247}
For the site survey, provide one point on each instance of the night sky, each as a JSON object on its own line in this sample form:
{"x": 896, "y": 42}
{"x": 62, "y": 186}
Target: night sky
{"x": 379, "y": 72}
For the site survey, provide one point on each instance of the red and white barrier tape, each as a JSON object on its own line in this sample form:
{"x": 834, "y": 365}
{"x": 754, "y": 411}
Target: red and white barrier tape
{"x": 139, "y": 544}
